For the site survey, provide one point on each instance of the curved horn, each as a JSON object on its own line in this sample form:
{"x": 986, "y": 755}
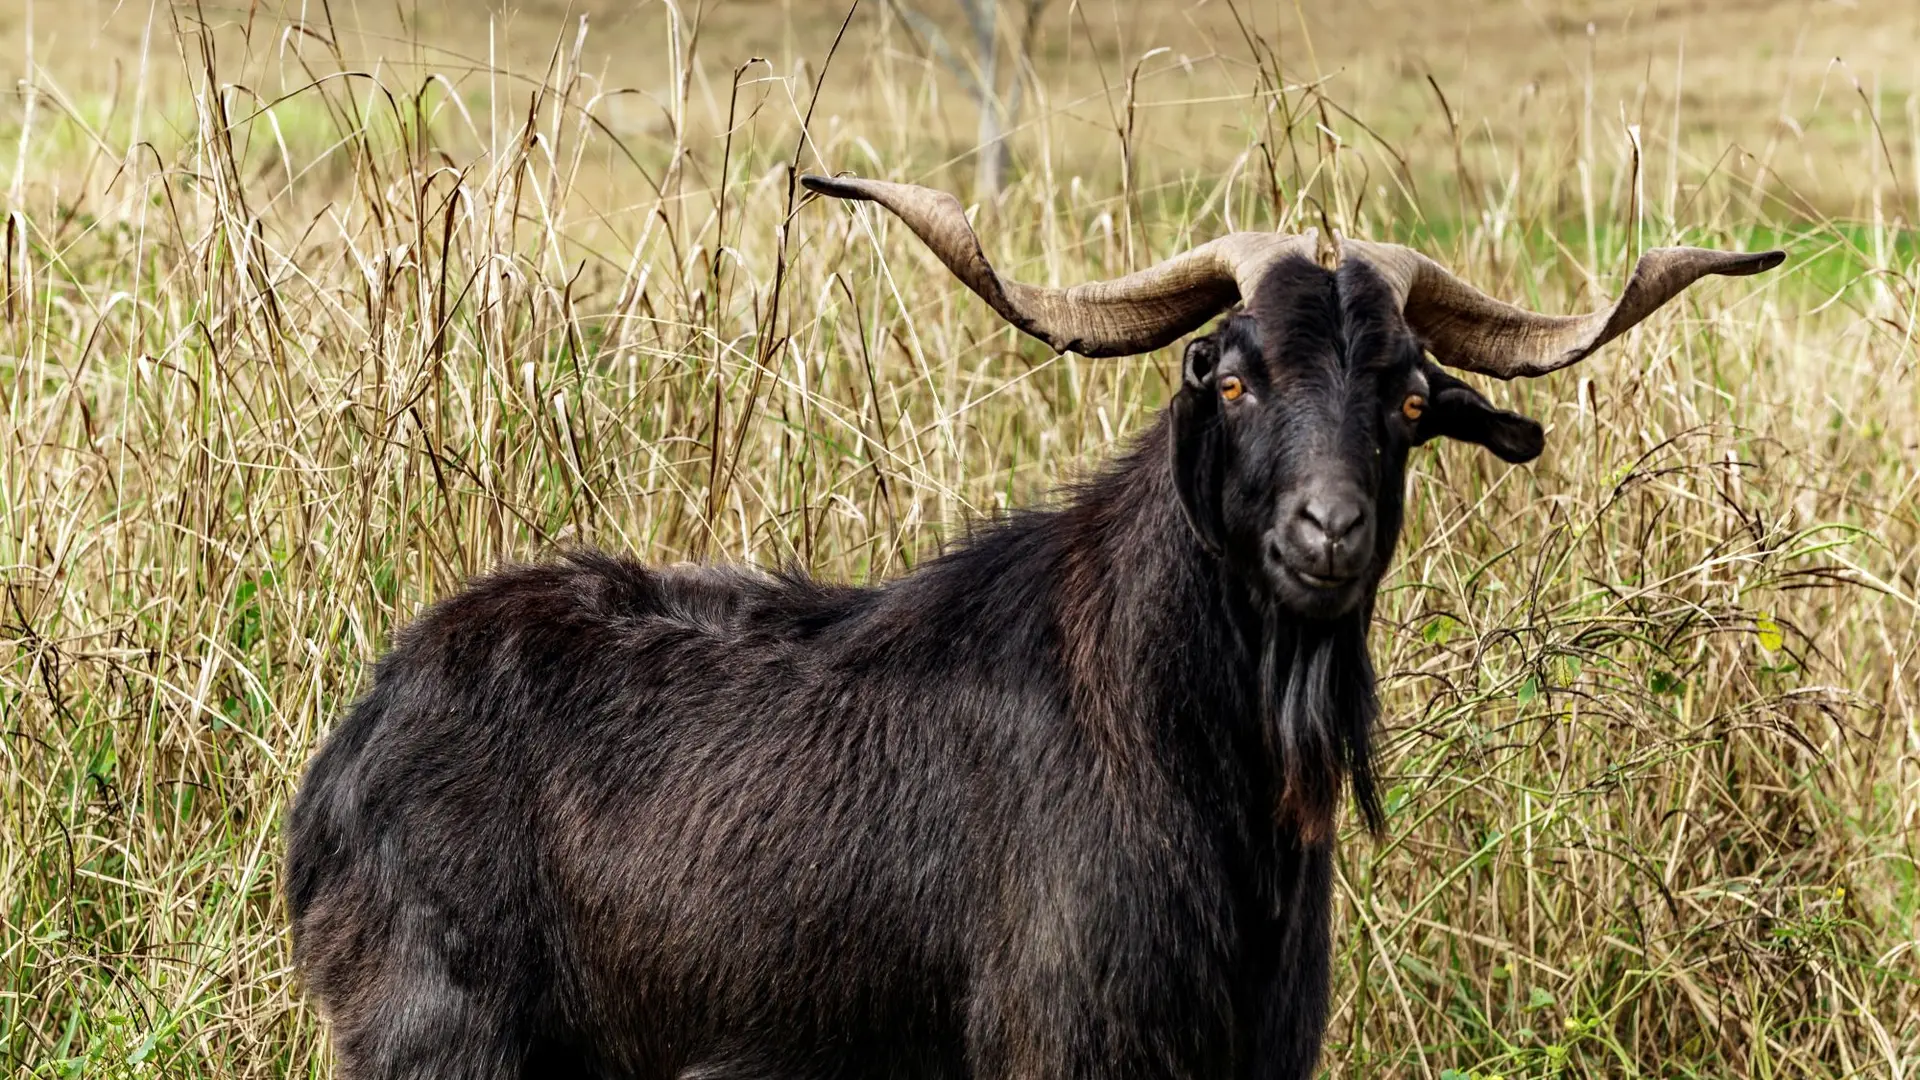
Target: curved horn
{"x": 1465, "y": 328}
{"x": 1134, "y": 314}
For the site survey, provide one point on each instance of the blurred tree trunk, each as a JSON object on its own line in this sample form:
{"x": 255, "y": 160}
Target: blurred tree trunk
{"x": 999, "y": 109}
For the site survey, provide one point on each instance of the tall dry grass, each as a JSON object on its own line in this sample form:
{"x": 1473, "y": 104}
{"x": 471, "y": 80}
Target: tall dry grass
{"x": 294, "y": 347}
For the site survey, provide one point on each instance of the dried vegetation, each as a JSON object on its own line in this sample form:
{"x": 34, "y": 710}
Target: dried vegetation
{"x": 306, "y": 321}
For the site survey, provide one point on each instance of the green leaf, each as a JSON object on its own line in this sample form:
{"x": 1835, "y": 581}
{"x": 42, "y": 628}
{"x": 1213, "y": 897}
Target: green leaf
{"x": 1666, "y": 682}
{"x": 1439, "y": 629}
{"x": 1539, "y": 999}
{"x": 1529, "y": 689}
{"x": 1568, "y": 669}
{"x": 145, "y": 1049}
{"x": 246, "y": 615}
{"x": 1397, "y": 797}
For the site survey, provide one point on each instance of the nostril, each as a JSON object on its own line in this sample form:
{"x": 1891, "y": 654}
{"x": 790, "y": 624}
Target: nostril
{"x": 1319, "y": 514}
{"x": 1334, "y": 519}
{"x": 1346, "y": 520}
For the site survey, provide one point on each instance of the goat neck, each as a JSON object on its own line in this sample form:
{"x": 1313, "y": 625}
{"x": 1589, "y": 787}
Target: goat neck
{"x": 1170, "y": 649}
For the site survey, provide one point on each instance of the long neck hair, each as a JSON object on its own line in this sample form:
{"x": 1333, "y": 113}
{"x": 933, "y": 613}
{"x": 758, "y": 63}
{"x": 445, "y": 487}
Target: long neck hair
{"x": 1318, "y": 707}
{"x": 1159, "y": 629}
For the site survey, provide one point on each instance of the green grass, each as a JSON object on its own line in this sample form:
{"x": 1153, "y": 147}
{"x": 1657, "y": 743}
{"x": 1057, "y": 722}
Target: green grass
{"x": 1651, "y": 722}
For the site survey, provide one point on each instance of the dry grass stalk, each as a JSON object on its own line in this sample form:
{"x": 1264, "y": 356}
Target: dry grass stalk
{"x": 282, "y": 367}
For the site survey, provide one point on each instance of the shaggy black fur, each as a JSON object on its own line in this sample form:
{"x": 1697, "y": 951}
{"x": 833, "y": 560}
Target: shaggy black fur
{"x": 1058, "y": 804}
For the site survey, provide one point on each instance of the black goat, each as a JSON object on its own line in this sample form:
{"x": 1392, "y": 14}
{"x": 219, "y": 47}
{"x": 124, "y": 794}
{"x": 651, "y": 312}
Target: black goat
{"x": 1058, "y": 804}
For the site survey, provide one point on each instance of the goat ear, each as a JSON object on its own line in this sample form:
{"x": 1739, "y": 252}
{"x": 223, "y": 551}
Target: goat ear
{"x": 1197, "y": 363}
{"x": 1199, "y": 460}
{"x": 1458, "y": 411}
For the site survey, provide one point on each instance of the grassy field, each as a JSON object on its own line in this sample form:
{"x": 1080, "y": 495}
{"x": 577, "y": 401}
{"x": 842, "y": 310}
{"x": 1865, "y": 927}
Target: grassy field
{"x": 304, "y": 322}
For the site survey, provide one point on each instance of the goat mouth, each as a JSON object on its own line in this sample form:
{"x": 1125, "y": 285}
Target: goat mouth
{"x": 1317, "y": 581}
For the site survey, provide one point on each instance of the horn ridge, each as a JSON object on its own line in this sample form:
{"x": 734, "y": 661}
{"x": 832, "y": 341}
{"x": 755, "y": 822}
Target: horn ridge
{"x": 1463, "y": 327}
{"x": 1467, "y": 329}
{"x": 1128, "y": 315}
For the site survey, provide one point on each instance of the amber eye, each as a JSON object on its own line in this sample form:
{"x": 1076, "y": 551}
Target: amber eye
{"x": 1413, "y": 406}
{"x": 1231, "y": 388}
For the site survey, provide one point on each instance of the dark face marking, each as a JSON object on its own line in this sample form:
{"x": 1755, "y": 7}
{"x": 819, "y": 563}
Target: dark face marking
{"x": 1292, "y": 429}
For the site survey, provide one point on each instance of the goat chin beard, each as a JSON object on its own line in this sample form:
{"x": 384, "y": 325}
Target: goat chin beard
{"x": 1318, "y": 709}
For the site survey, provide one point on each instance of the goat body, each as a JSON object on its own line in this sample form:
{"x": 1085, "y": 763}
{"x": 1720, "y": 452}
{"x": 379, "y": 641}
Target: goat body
{"x": 1017, "y": 813}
